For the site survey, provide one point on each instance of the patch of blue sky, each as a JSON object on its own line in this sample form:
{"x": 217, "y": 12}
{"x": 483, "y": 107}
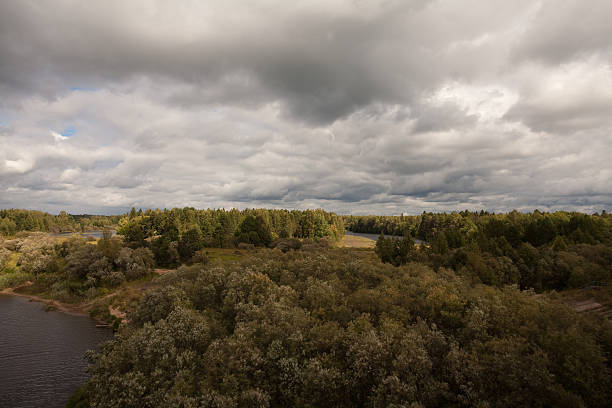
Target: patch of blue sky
{"x": 83, "y": 89}
{"x": 69, "y": 131}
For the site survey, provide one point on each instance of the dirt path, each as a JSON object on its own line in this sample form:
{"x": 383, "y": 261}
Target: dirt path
{"x": 160, "y": 271}
{"x": 591, "y": 306}
{"x": 353, "y": 241}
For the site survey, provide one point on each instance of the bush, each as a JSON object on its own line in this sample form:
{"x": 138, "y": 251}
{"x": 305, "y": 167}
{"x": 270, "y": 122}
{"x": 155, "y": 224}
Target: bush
{"x": 37, "y": 254}
{"x": 246, "y": 246}
{"x": 11, "y": 280}
{"x": 136, "y": 263}
{"x": 79, "y": 399}
{"x": 286, "y": 244}
{"x": 156, "y": 305}
{"x": 200, "y": 257}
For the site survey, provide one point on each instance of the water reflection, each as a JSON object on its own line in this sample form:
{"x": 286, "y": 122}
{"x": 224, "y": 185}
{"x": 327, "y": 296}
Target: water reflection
{"x": 41, "y": 353}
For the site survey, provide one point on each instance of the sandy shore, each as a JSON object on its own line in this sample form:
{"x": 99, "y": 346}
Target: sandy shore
{"x": 81, "y": 309}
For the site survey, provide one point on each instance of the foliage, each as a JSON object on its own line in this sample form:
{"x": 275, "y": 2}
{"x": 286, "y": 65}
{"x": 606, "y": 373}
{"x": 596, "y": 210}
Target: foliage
{"x": 176, "y": 235}
{"x": 336, "y": 328}
{"x": 539, "y": 250}
{"x": 15, "y": 220}
{"x": 14, "y": 279}
{"x": 396, "y": 251}
{"x": 135, "y": 263}
{"x": 71, "y": 269}
{"x": 388, "y": 225}
{"x": 5, "y": 256}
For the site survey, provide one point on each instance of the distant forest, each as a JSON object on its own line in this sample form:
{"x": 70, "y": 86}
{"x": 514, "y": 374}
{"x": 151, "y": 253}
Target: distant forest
{"x": 537, "y": 228}
{"x": 536, "y": 250}
{"x": 176, "y": 235}
{"x": 15, "y": 220}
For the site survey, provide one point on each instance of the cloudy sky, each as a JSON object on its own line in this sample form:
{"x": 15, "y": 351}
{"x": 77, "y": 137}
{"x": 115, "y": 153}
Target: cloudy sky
{"x": 354, "y": 106}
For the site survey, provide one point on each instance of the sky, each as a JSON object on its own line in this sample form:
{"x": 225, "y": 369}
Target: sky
{"x": 353, "y": 106}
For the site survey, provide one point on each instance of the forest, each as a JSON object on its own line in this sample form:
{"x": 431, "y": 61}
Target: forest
{"x": 543, "y": 251}
{"x": 176, "y": 235}
{"x": 335, "y": 328}
{"x": 76, "y": 268}
{"x": 268, "y": 308}
{"x": 16, "y": 220}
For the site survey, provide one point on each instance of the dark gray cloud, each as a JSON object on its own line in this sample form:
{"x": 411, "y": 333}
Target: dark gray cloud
{"x": 354, "y": 106}
{"x": 563, "y": 31}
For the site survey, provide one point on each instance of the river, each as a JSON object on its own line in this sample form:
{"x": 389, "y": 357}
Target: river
{"x": 41, "y": 353}
{"x": 96, "y": 234}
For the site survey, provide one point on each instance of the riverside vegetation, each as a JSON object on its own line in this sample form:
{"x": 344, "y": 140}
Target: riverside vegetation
{"x": 294, "y": 320}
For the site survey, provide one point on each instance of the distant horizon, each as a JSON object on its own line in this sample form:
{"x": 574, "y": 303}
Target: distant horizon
{"x": 126, "y": 211}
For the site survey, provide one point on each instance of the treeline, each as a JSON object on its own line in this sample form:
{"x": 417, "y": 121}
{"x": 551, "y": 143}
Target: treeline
{"x": 386, "y": 224}
{"x": 16, "y": 220}
{"x": 337, "y": 329}
{"x": 537, "y": 250}
{"x": 536, "y": 228}
{"x": 176, "y": 235}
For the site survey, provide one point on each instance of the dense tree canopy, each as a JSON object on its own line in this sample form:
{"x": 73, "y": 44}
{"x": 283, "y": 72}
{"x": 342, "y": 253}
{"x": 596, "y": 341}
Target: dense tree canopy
{"x": 14, "y": 220}
{"x": 537, "y": 228}
{"x": 176, "y": 235}
{"x": 75, "y": 268}
{"x": 538, "y": 250}
{"x": 328, "y": 329}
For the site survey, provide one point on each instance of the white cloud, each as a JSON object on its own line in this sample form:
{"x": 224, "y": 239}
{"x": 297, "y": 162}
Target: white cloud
{"x": 17, "y": 166}
{"x": 352, "y": 106}
{"x": 57, "y": 137}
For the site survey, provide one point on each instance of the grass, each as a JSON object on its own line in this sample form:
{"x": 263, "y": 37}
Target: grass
{"x": 11, "y": 264}
{"x": 353, "y": 241}
{"x": 223, "y": 254}
{"x": 13, "y": 279}
{"x": 11, "y": 276}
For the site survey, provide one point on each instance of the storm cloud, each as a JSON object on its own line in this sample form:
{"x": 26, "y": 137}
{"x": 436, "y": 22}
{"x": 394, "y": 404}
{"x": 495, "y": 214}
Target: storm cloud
{"x": 354, "y": 106}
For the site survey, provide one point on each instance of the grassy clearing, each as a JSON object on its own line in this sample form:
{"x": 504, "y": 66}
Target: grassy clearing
{"x": 353, "y": 241}
{"x": 223, "y": 254}
{"x": 11, "y": 264}
{"x": 11, "y": 276}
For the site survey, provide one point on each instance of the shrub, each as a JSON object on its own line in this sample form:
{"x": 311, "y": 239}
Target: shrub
{"x": 11, "y": 280}
{"x": 287, "y": 244}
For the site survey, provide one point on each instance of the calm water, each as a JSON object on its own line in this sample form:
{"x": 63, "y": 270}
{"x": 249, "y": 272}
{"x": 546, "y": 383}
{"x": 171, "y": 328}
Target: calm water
{"x": 41, "y": 353}
{"x": 95, "y": 234}
{"x": 375, "y": 236}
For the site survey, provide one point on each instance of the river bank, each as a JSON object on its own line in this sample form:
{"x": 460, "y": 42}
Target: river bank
{"x": 114, "y": 302}
{"x": 81, "y": 309}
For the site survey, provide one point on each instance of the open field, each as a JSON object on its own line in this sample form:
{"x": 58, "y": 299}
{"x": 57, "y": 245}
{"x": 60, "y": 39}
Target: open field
{"x": 353, "y": 241}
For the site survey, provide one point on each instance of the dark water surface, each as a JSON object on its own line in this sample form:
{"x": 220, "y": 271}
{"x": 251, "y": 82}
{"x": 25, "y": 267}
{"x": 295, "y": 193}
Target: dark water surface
{"x": 41, "y": 353}
{"x": 95, "y": 234}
